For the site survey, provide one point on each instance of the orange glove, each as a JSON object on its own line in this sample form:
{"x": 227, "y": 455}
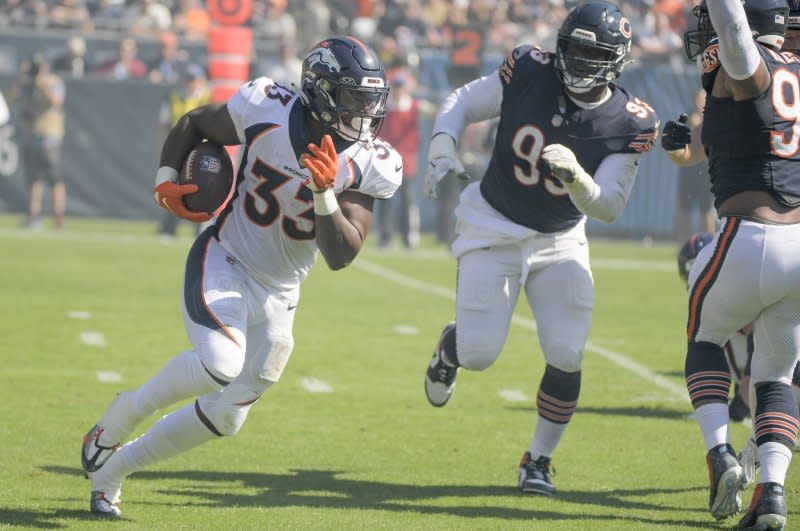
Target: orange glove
{"x": 323, "y": 164}
{"x": 170, "y": 194}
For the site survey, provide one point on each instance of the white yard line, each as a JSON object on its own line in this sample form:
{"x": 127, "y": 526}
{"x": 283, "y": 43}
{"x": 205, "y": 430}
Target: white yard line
{"x": 625, "y": 362}
{"x": 93, "y": 339}
{"x": 314, "y": 385}
{"x": 108, "y": 376}
{"x": 514, "y": 395}
{"x": 406, "y": 330}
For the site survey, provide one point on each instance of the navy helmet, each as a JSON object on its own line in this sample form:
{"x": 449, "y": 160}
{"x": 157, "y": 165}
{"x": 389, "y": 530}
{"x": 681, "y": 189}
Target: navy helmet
{"x": 794, "y": 14}
{"x": 593, "y": 46}
{"x": 689, "y": 252}
{"x": 344, "y": 86}
{"x": 768, "y": 20}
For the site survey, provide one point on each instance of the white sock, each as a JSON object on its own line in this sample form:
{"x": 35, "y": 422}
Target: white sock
{"x": 175, "y": 433}
{"x": 182, "y": 377}
{"x": 774, "y": 458}
{"x": 546, "y": 437}
{"x": 713, "y": 419}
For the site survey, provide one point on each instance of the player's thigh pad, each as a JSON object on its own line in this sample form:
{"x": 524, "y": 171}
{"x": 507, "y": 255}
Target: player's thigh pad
{"x": 561, "y": 297}
{"x": 215, "y": 307}
{"x": 726, "y": 282}
{"x": 777, "y": 328}
{"x": 270, "y": 342}
{"x": 488, "y": 288}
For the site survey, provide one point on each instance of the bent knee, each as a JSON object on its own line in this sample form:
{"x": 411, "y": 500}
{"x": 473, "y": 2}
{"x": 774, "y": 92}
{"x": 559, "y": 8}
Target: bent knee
{"x": 222, "y": 359}
{"x": 477, "y": 352}
{"x": 566, "y": 358}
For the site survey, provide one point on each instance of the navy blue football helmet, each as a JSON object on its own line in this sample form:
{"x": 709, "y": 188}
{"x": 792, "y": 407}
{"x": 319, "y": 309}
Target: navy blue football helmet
{"x": 767, "y": 18}
{"x": 689, "y": 252}
{"x": 794, "y": 15}
{"x": 344, "y": 86}
{"x": 593, "y": 46}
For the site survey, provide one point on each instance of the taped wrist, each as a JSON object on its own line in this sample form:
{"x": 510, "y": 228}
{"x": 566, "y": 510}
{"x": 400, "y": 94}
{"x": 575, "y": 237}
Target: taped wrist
{"x": 325, "y": 203}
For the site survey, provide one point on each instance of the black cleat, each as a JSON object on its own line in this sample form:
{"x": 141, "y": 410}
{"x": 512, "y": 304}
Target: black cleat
{"x": 534, "y": 476}
{"x": 726, "y": 479}
{"x": 440, "y": 378}
{"x": 767, "y": 510}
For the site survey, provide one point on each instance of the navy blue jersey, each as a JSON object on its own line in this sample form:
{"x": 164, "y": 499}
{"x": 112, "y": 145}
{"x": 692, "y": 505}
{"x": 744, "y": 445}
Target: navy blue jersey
{"x": 754, "y": 144}
{"x": 536, "y": 112}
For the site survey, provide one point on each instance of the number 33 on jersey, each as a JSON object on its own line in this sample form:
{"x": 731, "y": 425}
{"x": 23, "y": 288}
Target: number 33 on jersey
{"x": 269, "y": 224}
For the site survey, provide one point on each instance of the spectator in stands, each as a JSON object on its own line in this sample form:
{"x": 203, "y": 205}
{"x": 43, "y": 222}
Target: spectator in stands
{"x": 287, "y": 70}
{"x": 126, "y": 65}
{"x": 39, "y": 96}
{"x": 71, "y": 64}
{"x": 147, "y": 17}
{"x": 191, "y": 19}
{"x": 70, "y": 14}
{"x": 193, "y": 93}
{"x": 171, "y": 64}
{"x": 107, "y": 14}
{"x": 401, "y": 130}
{"x": 272, "y": 22}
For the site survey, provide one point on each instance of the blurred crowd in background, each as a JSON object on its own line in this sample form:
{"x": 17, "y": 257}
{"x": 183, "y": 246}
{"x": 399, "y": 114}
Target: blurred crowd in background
{"x": 429, "y": 48}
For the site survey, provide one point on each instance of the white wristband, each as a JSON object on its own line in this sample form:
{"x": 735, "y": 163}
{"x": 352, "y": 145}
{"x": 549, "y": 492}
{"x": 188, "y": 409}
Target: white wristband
{"x": 325, "y": 203}
{"x": 165, "y": 173}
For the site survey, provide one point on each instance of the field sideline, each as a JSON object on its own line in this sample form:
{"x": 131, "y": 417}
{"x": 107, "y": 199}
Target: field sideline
{"x": 347, "y": 439}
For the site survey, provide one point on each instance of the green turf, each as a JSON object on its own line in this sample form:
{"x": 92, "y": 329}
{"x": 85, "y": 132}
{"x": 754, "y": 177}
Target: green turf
{"x": 372, "y": 454}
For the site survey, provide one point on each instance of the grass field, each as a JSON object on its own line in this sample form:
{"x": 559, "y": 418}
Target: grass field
{"x": 96, "y": 309}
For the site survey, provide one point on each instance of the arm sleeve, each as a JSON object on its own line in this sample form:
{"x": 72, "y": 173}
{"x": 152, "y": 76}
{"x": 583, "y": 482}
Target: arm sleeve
{"x": 737, "y": 49}
{"x": 476, "y": 101}
{"x": 604, "y": 197}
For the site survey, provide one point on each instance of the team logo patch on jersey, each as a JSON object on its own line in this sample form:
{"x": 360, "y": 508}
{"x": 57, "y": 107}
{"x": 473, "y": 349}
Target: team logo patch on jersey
{"x": 710, "y": 59}
{"x": 210, "y": 164}
{"x": 325, "y": 57}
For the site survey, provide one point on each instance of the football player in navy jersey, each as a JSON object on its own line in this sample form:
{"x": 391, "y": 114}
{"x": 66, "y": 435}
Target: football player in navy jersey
{"x": 311, "y": 169}
{"x": 567, "y": 146}
{"x": 751, "y": 271}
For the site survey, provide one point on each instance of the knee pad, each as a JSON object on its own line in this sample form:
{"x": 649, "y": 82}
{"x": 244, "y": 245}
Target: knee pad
{"x": 562, "y": 354}
{"x": 221, "y": 357}
{"x": 224, "y": 413}
{"x": 276, "y": 356}
{"x": 476, "y": 350}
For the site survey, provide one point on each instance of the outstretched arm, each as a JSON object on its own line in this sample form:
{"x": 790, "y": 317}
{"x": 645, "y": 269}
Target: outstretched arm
{"x": 746, "y": 74}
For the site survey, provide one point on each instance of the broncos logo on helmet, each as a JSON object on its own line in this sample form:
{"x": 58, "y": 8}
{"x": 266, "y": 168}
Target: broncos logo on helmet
{"x": 324, "y": 57}
{"x": 344, "y": 87}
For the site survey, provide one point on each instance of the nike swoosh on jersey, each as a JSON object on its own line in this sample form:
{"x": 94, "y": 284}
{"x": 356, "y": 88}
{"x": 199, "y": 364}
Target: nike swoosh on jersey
{"x": 398, "y": 168}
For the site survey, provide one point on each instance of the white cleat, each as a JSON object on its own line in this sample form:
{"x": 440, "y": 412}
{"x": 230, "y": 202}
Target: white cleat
{"x": 440, "y": 378}
{"x": 93, "y": 454}
{"x": 102, "y": 505}
{"x": 119, "y": 414}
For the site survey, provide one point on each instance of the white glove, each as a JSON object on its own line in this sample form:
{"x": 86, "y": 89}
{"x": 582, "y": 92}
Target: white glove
{"x": 562, "y": 162}
{"x": 442, "y": 159}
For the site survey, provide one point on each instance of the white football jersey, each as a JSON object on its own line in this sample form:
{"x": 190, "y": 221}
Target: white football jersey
{"x": 269, "y": 224}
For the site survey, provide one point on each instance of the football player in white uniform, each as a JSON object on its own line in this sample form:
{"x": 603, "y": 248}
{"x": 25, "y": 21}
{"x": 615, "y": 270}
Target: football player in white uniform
{"x": 311, "y": 169}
